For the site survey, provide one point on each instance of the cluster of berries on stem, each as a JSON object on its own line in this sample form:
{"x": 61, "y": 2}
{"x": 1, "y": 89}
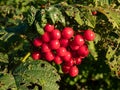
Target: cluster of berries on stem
{"x": 63, "y": 47}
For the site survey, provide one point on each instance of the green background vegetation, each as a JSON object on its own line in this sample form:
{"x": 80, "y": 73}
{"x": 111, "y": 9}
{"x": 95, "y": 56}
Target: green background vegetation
{"x": 22, "y": 20}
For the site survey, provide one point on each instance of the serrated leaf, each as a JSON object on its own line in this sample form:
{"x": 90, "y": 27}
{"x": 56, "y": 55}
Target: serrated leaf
{"x": 92, "y": 49}
{"x": 40, "y": 72}
{"x": 31, "y": 15}
{"x": 74, "y": 12}
{"x": 78, "y": 18}
{"x": 39, "y": 29}
{"x": 112, "y": 15}
{"x": 90, "y": 20}
{"x": 3, "y": 58}
{"x": 110, "y": 53}
{"x": 7, "y": 82}
{"x": 97, "y": 38}
{"x": 55, "y": 15}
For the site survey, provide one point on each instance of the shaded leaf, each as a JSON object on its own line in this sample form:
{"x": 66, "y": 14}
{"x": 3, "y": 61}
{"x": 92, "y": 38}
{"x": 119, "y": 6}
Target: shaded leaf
{"x": 3, "y": 58}
{"x": 31, "y": 15}
{"x": 39, "y": 72}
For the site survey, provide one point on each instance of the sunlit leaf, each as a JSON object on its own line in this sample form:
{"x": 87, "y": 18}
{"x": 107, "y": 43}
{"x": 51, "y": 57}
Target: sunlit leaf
{"x": 39, "y": 72}
{"x": 7, "y": 82}
{"x": 55, "y": 15}
{"x": 92, "y": 49}
{"x": 39, "y": 29}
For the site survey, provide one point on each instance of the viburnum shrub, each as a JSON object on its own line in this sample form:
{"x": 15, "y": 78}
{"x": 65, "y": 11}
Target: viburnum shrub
{"x": 58, "y": 46}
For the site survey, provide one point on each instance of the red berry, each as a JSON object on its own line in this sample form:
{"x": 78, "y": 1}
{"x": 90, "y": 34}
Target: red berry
{"x": 74, "y": 54}
{"x": 67, "y": 57}
{"x": 64, "y": 42}
{"x": 55, "y": 34}
{"x": 89, "y": 35}
{"x": 83, "y": 51}
{"x": 45, "y": 48}
{"x": 70, "y": 62}
{"x": 58, "y": 60}
{"x": 79, "y": 40}
{"x": 65, "y": 69}
{"x": 54, "y": 44}
{"x": 45, "y": 37}
{"x": 73, "y": 46}
{"x": 36, "y": 55}
{"x": 49, "y": 56}
{"x": 37, "y": 42}
{"x": 77, "y": 60}
{"x": 67, "y": 32}
{"x": 94, "y": 13}
{"x": 61, "y": 51}
{"x": 49, "y": 27}
{"x": 73, "y": 71}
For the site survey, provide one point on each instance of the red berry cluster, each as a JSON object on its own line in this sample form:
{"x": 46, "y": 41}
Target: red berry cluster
{"x": 63, "y": 47}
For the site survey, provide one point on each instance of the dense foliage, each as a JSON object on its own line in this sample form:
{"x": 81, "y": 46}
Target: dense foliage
{"x": 23, "y": 20}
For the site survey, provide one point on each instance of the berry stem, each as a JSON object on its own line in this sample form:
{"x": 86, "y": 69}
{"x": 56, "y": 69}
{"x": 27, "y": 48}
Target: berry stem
{"x": 25, "y": 57}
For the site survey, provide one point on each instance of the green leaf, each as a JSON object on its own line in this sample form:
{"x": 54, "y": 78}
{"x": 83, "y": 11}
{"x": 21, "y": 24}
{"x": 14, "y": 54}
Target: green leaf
{"x": 74, "y": 12}
{"x": 55, "y": 15}
{"x": 103, "y": 2}
{"x": 40, "y": 72}
{"x": 3, "y": 58}
{"x": 78, "y": 18}
{"x": 6, "y": 36}
{"x": 40, "y": 30}
{"x": 112, "y": 15}
{"x": 110, "y": 53}
{"x": 7, "y": 82}
{"x": 92, "y": 49}
{"x": 31, "y": 15}
{"x": 90, "y": 20}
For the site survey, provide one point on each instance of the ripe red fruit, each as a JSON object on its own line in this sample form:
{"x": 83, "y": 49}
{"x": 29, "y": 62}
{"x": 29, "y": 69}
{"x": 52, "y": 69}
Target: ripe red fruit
{"x": 45, "y": 37}
{"x": 67, "y": 57}
{"x": 73, "y": 46}
{"x": 64, "y": 42}
{"x": 37, "y": 42}
{"x": 65, "y": 68}
{"x": 61, "y": 51}
{"x": 54, "y": 44}
{"x": 83, "y": 51}
{"x": 89, "y": 35}
{"x": 77, "y": 60}
{"x": 70, "y": 62}
{"x": 55, "y": 34}
{"x": 49, "y": 27}
{"x": 58, "y": 60}
{"x": 73, "y": 71}
{"x": 36, "y": 55}
{"x": 79, "y": 40}
{"x": 67, "y": 32}
{"x": 45, "y": 48}
{"x": 74, "y": 54}
{"x": 49, "y": 56}
{"x": 94, "y": 13}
